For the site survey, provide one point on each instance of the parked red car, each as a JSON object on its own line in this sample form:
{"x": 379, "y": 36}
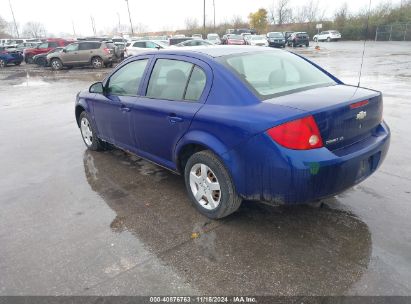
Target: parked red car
{"x": 235, "y": 40}
{"x": 45, "y": 47}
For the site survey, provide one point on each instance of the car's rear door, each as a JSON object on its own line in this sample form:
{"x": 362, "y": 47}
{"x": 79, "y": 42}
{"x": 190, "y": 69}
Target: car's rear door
{"x": 112, "y": 110}
{"x": 173, "y": 92}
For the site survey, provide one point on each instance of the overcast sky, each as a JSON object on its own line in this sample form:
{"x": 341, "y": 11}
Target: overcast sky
{"x": 155, "y": 15}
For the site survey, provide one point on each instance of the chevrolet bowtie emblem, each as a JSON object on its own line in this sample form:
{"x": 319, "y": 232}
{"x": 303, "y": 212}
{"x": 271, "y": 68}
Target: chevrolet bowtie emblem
{"x": 361, "y": 115}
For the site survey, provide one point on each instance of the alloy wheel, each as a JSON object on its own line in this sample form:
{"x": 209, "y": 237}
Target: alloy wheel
{"x": 205, "y": 186}
{"x": 56, "y": 65}
{"x": 97, "y": 63}
{"x": 86, "y": 131}
{"x": 2, "y": 63}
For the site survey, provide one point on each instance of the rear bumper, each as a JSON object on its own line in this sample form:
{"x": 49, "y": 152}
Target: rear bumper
{"x": 276, "y": 44}
{"x": 269, "y": 172}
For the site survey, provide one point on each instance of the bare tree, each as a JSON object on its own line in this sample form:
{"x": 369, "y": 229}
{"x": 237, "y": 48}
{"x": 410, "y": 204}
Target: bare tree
{"x": 282, "y": 12}
{"x": 341, "y": 15}
{"x": 34, "y": 29}
{"x": 191, "y": 24}
{"x": 309, "y": 12}
{"x": 238, "y": 22}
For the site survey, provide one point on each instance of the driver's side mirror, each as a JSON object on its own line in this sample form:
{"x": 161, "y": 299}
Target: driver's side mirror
{"x": 158, "y": 47}
{"x": 96, "y": 88}
{"x": 64, "y": 50}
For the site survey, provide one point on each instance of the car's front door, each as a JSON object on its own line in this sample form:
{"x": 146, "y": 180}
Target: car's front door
{"x": 112, "y": 109}
{"x": 70, "y": 54}
{"x": 174, "y": 92}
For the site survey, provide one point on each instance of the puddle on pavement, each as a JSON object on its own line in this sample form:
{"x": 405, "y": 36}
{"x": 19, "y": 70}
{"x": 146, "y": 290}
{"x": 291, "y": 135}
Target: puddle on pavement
{"x": 258, "y": 250}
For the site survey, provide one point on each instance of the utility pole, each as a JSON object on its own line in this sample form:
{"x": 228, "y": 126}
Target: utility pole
{"x": 14, "y": 20}
{"x": 93, "y": 25}
{"x": 129, "y": 16}
{"x": 214, "y": 12}
{"x": 204, "y": 30}
{"x": 74, "y": 30}
{"x": 119, "y": 24}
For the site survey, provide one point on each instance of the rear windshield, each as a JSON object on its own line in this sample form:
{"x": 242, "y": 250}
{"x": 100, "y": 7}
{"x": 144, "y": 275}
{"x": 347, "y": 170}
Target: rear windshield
{"x": 273, "y": 73}
{"x": 275, "y": 35}
{"x": 235, "y": 37}
{"x": 257, "y": 37}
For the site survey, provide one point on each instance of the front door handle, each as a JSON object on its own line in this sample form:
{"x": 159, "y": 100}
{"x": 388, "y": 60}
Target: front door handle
{"x": 125, "y": 109}
{"x": 173, "y": 118}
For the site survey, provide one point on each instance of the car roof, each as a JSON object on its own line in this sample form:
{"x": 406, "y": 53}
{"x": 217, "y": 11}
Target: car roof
{"x": 215, "y": 51}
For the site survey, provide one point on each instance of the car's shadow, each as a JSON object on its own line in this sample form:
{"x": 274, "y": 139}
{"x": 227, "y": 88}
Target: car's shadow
{"x": 258, "y": 250}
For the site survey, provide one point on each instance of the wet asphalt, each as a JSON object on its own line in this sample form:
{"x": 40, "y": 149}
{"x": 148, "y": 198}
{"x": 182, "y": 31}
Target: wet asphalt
{"x": 75, "y": 222}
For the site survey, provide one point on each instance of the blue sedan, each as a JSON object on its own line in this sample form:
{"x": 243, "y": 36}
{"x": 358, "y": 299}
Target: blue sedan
{"x": 239, "y": 123}
{"x": 7, "y": 57}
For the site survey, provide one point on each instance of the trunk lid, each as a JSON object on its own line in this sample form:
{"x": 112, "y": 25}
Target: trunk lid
{"x": 344, "y": 114}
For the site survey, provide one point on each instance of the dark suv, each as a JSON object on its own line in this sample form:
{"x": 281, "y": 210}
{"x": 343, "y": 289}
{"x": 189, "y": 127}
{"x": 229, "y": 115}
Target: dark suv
{"x": 298, "y": 39}
{"x": 94, "y": 53}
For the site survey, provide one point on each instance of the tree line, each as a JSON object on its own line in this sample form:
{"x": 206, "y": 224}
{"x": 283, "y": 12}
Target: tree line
{"x": 281, "y": 16}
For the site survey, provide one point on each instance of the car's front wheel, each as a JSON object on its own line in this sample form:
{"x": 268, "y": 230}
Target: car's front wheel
{"x": 328, "y": 39}
{"x": 2, "y": 63}
{"x": 56, "y": 64}
{"x": 315, "y": 39}
{"x": 210, "y": 186}
{"x": 88, "y": 133}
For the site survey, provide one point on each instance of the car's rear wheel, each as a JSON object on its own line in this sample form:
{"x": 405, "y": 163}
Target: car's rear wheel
{"x": 28, "y": 59}
{"x": 315, "y": 39}
{"x": 97, "y": 62}
{"x": 210, "y": 186}
{"x": 2, "y": 63}
{"x": 328, "y": 39}
{"x": 17, "y": 63}
{"x": 88, "y": 133}
{"x": 56, "y": 64}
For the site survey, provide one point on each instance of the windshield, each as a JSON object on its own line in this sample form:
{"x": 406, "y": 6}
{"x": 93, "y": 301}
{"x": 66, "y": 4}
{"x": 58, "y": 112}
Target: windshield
{"x": 273, "y": 73}
{"x": 212, "y": 37}
{"x": 235, "y": 37}
{"x": 275, "y": 35}
{"x": 257, "y": 38}
{"x": 161, "y": 43}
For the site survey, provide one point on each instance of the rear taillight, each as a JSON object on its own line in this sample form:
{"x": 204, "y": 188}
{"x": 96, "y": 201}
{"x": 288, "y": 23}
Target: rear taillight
{"x": 106, "y": 50}
{"x": 300, "y": 134}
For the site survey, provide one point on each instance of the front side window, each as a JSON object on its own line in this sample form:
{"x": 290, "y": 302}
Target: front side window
{"x": 43, "y": 46}
{"x": 169, "y": 79}
{"x": 72, "y": 47}
{"x": 125, "y": 82}
{"x": 270, "y": 74}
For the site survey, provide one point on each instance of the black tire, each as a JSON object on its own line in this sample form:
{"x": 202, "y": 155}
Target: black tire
{"x": 230, "y": 201}
{"x": 97, "y": 62}
{"x": 41, "y": 61}
{"x": 307, "y": 44}
{"x": 28, "y": 59}
{"x": 17, "y": 63}
{"x": 2, "y": 63}
{"x": 315, "y": 39}
{"x": 328, "y": 39}
{"x": 96, "y": 143}
{"x": 56, "y": 64}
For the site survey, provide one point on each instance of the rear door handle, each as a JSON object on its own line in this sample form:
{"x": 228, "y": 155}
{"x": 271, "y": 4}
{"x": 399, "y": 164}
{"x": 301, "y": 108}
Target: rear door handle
{"x": 173, "y": 118}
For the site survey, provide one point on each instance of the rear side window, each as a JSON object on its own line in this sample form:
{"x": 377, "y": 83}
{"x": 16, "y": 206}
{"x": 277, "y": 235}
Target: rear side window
{"x": 196, "y": 84}
{"x": 139, "y": 44}
{"x": 125, "y": 81}
{"x": 89, "y": 46}
{"x": 53, "y": 44}
{"x": 169, "y": 79}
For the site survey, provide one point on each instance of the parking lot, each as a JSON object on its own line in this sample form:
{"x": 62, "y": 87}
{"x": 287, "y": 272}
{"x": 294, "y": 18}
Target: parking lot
{"x": 75, "y": 222}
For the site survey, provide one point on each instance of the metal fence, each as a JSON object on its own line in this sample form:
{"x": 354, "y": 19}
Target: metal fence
{"x": 393, "y": 32}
